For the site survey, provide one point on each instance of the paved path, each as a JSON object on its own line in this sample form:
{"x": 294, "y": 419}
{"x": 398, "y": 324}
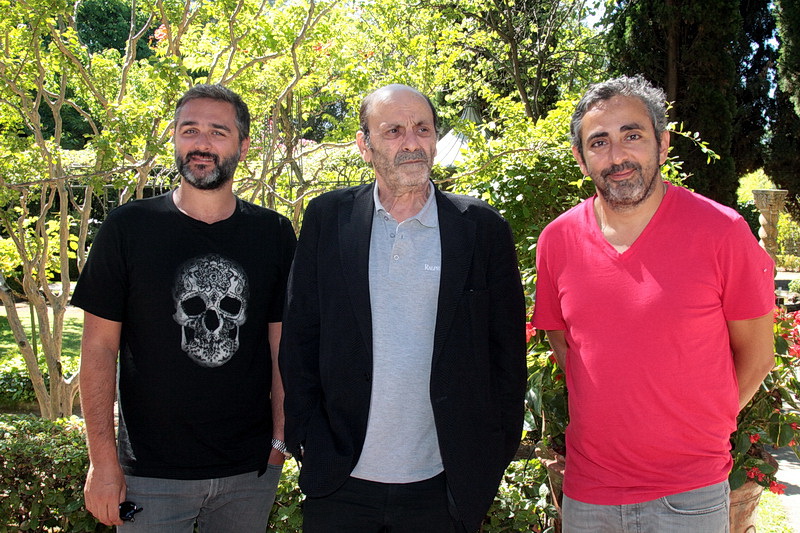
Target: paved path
{"x": 789, "y": 475}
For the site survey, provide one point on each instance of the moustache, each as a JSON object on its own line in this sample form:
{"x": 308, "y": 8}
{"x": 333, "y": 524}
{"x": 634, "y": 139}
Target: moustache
{"x": 198, "y": 153}
{"x": 625, "y": 165}
{"x": 416, "y": 155}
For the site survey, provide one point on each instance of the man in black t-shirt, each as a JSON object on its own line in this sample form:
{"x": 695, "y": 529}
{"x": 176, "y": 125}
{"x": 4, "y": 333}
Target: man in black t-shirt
{"x": 187, "y": 290}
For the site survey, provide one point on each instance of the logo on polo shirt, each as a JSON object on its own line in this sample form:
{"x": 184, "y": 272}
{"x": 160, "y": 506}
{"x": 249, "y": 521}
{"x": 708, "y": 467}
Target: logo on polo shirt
{"x": 432, "y": 268}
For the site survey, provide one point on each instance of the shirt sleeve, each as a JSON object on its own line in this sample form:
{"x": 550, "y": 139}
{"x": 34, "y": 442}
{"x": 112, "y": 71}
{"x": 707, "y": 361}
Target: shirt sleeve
{"x": 748, "y": 275}
{"x": 102, "y": 285}
{"x": 547, "y": 313}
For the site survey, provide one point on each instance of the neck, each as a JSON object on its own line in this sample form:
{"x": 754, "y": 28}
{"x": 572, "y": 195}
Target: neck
{"x": 621, "y": 227}
{"x": 404, "y": 204}
{"x": 207, "y": 206}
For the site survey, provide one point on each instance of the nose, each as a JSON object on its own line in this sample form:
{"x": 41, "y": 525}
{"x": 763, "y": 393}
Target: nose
{"x": 202, "y": 141}
{"x": 411, "y": 141}
{"x": 617, "y": 153}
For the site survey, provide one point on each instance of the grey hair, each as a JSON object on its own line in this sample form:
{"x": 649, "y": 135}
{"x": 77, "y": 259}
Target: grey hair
{"x": 653, "y": 98}
{"x": 222, "y": 94}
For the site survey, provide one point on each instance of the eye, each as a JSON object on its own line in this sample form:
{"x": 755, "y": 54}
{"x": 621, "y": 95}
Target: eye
{"x": 424, "y": 131}
{"x": 391, "y": 133}
{"x": 634, "y": 137}
{"x": 598, "y": 143}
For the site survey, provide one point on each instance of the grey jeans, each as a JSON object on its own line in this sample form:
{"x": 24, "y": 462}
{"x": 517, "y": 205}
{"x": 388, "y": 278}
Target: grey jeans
{"x": 703, "y": 510}
{"x": 237, "y": 503}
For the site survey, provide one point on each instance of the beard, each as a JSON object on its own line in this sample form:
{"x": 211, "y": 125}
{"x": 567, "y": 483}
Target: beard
{"x": 628, "y": 194}
{"x": 398, "y": 175}
{"x": 203, "y": 178}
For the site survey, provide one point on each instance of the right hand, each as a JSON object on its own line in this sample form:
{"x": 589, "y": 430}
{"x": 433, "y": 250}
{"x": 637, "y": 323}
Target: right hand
{"x": 103, "y": 492}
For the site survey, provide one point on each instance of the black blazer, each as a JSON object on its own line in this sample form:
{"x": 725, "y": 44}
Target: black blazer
{"x": 478, "y": 374}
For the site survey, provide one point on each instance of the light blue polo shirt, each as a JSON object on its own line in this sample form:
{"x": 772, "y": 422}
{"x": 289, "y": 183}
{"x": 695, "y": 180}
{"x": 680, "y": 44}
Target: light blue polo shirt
{"x": 405, "y": 262}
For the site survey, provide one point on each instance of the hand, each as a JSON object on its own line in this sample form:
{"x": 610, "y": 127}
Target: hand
{"x": 103, "y": 492}
{"x": 276, "y": 457}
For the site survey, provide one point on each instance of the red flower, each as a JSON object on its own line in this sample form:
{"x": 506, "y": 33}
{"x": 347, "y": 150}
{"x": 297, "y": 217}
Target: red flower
{"x": 530, "y": 331}
{"x": 776, "y": 487}
{"x": 754, "y": 438}
{"x": 795, "y": 426}
{"x": 753, "y": 472}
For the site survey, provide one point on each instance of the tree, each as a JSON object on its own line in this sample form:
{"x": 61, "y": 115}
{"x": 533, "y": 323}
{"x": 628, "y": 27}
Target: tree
{"x": 534, "y": 51}
{"x": 46, "y": 191}
{"x": 787, "y": 14}
{"x": 688, "y": 48}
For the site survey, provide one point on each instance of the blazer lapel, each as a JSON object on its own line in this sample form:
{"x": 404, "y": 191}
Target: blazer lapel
{"x": 457, "y": 241}
{"x": 355, "y": 231}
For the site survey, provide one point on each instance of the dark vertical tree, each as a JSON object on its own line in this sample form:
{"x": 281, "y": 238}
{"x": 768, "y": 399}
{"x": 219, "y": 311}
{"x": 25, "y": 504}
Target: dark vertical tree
{"x": 756, "y": 106}
{"x": 787, "y": 13}
{"x": 689, "y": 47}
{"x": 783, "y": 148}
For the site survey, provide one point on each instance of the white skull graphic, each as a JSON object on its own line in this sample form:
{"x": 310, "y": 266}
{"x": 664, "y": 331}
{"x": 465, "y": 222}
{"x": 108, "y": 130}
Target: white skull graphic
{"x": 210, "y": 304}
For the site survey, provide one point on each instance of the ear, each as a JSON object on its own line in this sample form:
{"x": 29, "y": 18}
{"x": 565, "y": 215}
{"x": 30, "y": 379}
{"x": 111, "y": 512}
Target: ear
{"x": 361, "y": 142}
{"x": 244, "y": 146}
{"x": 663, "y": 147}
{"x": 579, "y": 158}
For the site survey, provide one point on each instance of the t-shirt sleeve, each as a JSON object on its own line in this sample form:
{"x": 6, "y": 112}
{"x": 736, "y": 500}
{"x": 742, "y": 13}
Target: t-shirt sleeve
{"x": 748, "y": 275}
{"x": 547, "y": 313}
{"x": 102, "y": 285}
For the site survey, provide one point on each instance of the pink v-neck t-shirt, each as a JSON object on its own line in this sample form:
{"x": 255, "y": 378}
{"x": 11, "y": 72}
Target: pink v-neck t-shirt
{"x": 653, "y": 396}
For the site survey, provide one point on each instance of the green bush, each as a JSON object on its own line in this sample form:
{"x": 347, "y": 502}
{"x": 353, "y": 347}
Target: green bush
{"x": 523, "y": 500}
{"x": 15, "y": 385}
{"x": 42, "y": 468}
{"x": 789, "y": 263}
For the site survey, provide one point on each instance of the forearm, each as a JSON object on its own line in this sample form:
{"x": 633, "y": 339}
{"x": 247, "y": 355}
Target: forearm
{"x": 752, "y": 347}
{"x": 98, "y": 393}
{"x": 558, "y": 343}
{"x": 276, "y": 388}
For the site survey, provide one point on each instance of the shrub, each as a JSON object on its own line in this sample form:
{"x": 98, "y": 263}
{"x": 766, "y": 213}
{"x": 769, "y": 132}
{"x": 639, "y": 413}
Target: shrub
{"x": 789, "y": 263}
{"x": 15, "y": 385}
{"x": 42, "y": 468}
{"x": 523, "y": 500}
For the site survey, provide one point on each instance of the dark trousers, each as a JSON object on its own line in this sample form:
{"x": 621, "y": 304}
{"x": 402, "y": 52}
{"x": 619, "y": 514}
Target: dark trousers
{"x": 361, "y": 506}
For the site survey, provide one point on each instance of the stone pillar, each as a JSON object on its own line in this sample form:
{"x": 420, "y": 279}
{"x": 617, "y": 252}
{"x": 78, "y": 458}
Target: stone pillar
{"x": 770, "y": 204}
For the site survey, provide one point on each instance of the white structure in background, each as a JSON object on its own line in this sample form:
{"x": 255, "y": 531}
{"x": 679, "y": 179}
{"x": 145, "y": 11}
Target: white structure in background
{"x": 451, "y": 148}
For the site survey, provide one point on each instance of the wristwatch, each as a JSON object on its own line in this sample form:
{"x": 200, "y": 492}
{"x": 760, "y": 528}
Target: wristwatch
{"x": 281, "y": 447}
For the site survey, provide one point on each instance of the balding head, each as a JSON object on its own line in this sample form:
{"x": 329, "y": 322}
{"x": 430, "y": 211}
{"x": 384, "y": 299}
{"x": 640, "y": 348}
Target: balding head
{"x": 384, "y": 93}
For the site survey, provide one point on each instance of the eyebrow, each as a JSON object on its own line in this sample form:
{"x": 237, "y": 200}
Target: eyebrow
{"x": 195, "y": 123}
{"x": 624, "y": 127}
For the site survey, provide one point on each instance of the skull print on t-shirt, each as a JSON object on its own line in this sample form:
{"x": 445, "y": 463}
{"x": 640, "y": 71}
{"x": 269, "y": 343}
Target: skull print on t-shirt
{"x": 210, "y": 296}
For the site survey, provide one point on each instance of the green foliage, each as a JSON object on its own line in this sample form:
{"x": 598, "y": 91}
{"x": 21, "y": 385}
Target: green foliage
{"x": 788, "y": 235}
{"x": 687, "y": 48}
{"x": 42, "y": 468}
{"x": 15, "y": 385}
{"x": 522, "y": 502}
{"x": 790, "y": 263}
{"x": 770, "y": 418}
{"x": 287, "y": 514}
{"x": 787, "y": 14}
{"x": 524, "y": 169}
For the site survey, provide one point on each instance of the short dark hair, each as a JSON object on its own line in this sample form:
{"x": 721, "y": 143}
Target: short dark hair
{"x": 222, "y": 94}
{"x": 653, "y": 98}
{"x": 366, "y": 108}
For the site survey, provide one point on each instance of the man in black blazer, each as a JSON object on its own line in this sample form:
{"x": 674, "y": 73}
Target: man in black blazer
{"x": 403, "y": 351}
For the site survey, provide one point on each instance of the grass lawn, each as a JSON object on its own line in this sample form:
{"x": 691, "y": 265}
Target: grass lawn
{"x": 73, "y": 327}
{"x": 771, "y": 514}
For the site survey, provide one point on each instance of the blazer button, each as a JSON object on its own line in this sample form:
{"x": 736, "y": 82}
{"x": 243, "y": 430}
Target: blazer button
{"x": 367, "y": 376}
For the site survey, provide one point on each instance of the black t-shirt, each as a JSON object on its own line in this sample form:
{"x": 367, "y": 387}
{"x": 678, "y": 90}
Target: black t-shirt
{"x": 194, "y": 300}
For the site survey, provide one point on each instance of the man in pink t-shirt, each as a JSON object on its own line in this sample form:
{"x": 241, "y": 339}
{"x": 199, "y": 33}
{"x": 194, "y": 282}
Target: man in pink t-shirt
{"x": 658, "y": 306}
